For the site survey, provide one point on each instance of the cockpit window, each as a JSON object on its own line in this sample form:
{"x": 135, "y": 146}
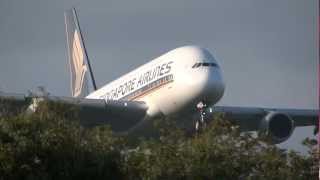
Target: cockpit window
{"x": 204, "y": 64}
{"x": 196, "y": 65}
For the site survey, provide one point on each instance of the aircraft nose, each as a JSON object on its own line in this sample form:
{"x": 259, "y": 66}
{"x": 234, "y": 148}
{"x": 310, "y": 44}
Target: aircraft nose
{"x": 207, "y": 85}
{"x": 215, "y": 85}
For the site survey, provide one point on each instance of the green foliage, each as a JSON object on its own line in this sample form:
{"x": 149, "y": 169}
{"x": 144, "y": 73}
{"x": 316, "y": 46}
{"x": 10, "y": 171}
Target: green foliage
{"x": 50, "y": 144}
{"x": 219, "y": 152}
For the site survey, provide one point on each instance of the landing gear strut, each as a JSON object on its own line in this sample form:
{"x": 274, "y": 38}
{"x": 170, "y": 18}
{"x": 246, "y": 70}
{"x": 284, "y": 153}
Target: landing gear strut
{"x": 200, "y": 123}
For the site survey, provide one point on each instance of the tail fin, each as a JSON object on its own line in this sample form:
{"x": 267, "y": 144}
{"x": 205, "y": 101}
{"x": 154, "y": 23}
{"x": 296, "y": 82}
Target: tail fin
{"x": 78, "y": 58}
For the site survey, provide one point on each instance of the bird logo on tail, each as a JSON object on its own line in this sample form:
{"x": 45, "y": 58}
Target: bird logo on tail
{"x": 79, "y": 65}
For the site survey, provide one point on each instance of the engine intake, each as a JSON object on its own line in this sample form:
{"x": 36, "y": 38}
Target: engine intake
{"x": 277, "y": 126}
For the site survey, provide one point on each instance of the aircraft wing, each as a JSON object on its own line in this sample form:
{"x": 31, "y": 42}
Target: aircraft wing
{"x": 252, "y": 118}
{"x": 121, "y": 115}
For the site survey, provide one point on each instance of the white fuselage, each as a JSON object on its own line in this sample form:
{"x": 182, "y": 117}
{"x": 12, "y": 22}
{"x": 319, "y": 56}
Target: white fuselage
{"x": 171, "y": 83}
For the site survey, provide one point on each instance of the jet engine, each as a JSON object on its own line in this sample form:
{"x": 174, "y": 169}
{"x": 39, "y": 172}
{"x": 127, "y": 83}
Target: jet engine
{"x": 277, "y": 126}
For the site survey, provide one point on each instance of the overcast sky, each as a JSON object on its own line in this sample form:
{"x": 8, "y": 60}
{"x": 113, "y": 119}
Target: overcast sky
{"x": 267, "y": 48}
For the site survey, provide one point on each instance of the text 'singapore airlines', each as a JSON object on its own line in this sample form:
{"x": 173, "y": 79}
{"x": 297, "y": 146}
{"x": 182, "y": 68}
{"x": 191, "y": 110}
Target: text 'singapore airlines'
{"x": 141, "y": 84}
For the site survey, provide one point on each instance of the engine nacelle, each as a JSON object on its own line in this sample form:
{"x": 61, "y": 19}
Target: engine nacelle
{"x": 277, "y": 126}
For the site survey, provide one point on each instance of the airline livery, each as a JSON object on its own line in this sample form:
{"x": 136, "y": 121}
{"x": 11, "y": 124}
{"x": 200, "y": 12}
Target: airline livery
{"x": 182, "y": 83}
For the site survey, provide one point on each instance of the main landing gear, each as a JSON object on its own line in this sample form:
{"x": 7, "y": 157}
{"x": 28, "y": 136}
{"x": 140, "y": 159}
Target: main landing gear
{"x": 200, "y": 123}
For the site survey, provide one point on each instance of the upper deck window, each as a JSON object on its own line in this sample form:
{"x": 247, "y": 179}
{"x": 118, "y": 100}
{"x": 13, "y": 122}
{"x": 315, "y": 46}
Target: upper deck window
{"x": 204, "y": 64}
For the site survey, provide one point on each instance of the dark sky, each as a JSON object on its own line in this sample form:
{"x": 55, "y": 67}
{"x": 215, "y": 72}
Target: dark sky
{"x": 266, "y": 48}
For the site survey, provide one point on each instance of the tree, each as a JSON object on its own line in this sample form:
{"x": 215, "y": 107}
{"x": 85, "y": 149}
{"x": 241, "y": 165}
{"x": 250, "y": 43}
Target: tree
{"x": 51, "y": 144}
{"x": 221, "y": 151}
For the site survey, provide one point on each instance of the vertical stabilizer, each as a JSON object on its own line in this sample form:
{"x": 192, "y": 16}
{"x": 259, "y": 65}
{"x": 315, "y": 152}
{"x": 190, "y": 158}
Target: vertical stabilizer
{"x": 80, "y": 68}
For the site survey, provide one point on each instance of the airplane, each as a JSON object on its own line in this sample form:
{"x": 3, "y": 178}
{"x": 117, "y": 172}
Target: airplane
{"x": 180, "y": 83}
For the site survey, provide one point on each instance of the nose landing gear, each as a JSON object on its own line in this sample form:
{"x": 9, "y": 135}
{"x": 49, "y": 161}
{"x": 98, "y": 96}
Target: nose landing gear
{"x": 200, "y": 123}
